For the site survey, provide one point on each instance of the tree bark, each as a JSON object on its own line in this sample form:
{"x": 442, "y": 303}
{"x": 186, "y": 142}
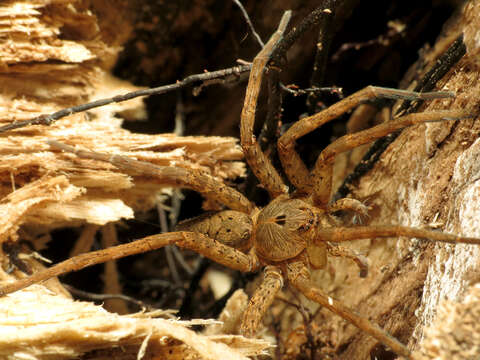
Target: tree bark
{"x": 428, "y": 177}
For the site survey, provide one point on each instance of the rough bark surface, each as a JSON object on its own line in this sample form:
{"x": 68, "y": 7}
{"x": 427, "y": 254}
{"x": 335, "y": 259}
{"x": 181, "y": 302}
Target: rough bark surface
{"x": 427, "y": 178}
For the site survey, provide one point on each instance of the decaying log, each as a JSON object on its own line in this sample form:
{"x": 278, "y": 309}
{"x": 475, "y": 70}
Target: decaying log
{"x": 427, "y": 177}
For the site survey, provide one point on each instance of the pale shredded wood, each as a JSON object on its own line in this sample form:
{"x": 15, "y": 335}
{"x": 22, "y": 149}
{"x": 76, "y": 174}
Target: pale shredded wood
{"x": 77, "y": 72}
{"x": 38, "y": 324}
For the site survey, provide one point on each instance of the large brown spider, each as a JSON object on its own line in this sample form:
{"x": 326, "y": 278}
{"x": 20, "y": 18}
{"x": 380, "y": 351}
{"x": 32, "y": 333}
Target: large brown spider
{"x": 294, "y": 232}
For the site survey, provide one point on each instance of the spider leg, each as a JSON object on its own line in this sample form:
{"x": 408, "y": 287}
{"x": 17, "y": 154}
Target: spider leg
{"x": 261, "y": 300}
{"x": 360, "y": 260}
{"x": 259, "y": 163}
{"x": 169, "y": 175}
{"x": 339, "y": 234}
{"x": 349, "y": 204}
{"x": 321, "y": 175}
{"x": 293, "y": 165}
{"x": 201, "y": 244}
{"x": 299, "y": 276}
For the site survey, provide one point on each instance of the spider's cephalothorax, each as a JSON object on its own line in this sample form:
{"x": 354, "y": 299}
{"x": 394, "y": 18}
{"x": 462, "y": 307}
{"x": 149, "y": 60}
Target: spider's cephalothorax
{"x": 286, "y": 227}
{"x": 290, "y": 235}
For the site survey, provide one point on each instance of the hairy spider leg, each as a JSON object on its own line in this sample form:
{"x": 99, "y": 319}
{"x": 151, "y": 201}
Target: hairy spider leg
{"x": 298, "y": 273}
{"x": 299, "y": 276}
{"x": 170, "y": 175}
{"x": 199, "y": 243}
{"x": 360, "y": 260}
{"x": 340, "y": 234}
{"x": 261, "y": 300}
{"x": 259, "y": 163}
{"x": 294, "y": 166}
{"x": 321, "y": 176}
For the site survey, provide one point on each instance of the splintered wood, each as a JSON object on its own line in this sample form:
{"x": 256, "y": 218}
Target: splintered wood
{"x": 37, "y": 324}
{"x": 50, "y": 188}
{"x": 55, "y": 54}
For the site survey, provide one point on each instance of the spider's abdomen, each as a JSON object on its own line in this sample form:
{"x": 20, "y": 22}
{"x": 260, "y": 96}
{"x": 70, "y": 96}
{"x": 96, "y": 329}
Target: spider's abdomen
{"x": 231, "y": 228}
{"x": 283, "y": 229}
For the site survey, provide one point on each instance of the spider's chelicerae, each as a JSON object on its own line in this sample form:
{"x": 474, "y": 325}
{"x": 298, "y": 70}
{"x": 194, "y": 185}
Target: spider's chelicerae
{"x": 296, "y": 231}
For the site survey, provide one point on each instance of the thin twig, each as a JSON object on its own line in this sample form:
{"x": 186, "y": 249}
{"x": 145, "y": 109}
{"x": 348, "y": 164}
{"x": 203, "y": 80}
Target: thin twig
{"x": 312, "y": 90}
{"x": 395, "y": 31}
{"x": 279, "y": 54}
{"x": 171, "y": 264}
{"x": 174, "y": 213}
{"x": 162, "y": 218}
{"x": 324, "y": 39}
{"x": 102, "y": 297}
{"x": 179, "y": 115}
{"x": 288, "y": 40}
{"x": 49, "y": 119}
{"x": 12, "y": 250}
{"x": 181, "y": 260}
{"x": 250, "y": 25}
{"x": 268, "y": 133}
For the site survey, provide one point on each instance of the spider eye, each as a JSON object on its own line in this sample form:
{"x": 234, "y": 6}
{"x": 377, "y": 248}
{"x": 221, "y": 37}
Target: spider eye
{"x": 280, "y": 219}
{"x": 304, "y": 227}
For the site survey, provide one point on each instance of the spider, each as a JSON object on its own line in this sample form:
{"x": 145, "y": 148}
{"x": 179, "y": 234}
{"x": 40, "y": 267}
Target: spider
{"x": 296, "y": 231}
